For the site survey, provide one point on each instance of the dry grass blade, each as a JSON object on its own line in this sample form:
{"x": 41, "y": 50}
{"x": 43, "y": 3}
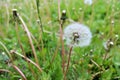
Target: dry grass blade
{"x": 4, "y": 70}
{"x": 96, "y": 64}
{"x": 98, "y": 73}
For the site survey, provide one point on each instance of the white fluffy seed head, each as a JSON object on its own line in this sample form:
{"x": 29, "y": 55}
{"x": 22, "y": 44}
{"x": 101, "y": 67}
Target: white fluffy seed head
{"x": 89, "y": 2}
{"x": 77, "y": 34}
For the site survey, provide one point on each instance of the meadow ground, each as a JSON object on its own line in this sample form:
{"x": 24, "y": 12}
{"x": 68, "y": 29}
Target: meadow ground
{"x": 32, "y": 48}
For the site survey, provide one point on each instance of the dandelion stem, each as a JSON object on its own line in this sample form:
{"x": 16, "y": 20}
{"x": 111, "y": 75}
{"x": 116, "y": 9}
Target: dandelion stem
{"x": 68, "y": 63}
{"x": 19, "y": 71}
{"x": 61, "y": 36}
{"x": 27, "y": 59}
{"x": 19, "y": 41}
{"x": 28, "y": 34}
{"x": 21, "y": 46}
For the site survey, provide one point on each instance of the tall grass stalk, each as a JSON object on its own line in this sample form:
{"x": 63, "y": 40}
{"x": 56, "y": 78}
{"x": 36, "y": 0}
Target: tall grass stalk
{"x": 38, "y": 11}
{"x": 55, "y": 53}
{"x": 8, "y": 14}
{"x": 112, "y": 19}
{"x": 7, "y": 51}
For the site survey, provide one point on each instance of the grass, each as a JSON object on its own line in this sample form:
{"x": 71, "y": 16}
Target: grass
{"x": 31, "y": 47}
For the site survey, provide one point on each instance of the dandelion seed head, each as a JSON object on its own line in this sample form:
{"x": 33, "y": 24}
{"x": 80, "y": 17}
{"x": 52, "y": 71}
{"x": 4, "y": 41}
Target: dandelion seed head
{"x": 77, "y": 35}
{"x": 89, "y": 2}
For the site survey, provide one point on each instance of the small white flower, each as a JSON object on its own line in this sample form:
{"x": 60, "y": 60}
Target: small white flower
{"x": 3, "y": 53}
{"x": 89, "y": 2}
{"x": 77, "y": 35}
